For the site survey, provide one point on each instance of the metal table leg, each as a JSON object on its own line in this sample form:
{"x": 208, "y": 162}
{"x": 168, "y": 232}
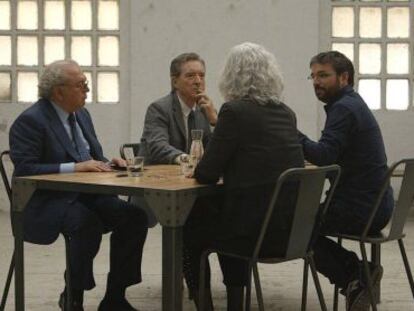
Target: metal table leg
{"x": 172, "y": 268}
{"x": 22, "y": 192}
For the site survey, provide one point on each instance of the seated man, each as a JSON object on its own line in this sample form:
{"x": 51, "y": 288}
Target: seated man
{"x": 352, "y": 139}
{"x": 169, "y": 120}
{"x": 56, "y": 135}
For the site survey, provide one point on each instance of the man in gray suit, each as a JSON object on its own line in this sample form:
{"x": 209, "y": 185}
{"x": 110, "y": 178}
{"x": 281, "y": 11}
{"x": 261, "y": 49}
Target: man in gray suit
{"x": 169, "y": 120}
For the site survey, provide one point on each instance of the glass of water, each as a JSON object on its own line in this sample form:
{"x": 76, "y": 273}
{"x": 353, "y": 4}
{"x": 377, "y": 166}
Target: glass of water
{"x": 135, "y": 166}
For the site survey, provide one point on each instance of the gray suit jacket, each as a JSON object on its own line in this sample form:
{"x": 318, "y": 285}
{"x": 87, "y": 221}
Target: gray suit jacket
{"x": 164, "y": 136}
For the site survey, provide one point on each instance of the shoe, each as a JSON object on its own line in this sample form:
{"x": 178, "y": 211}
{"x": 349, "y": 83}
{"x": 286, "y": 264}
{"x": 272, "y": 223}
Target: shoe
{"x": 122, "y": 305}
{"x": 357, "y": 294}
{"x": 76, "y": 306}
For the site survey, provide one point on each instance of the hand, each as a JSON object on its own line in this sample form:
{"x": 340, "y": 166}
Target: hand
{"x": 206, "y": 105}
{"x": 119, "y": 162}
{"x": 92, "y": 166}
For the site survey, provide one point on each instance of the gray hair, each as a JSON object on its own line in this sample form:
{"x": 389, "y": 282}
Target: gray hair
{"x": 53, "y": 75}
{"x": 252, "y": 71}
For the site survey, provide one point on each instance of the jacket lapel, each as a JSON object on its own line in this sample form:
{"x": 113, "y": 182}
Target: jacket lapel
{"x": 178, "y": 115}
{"x": 57, "y": 126}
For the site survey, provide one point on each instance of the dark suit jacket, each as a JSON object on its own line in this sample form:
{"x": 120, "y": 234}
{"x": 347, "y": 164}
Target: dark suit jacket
{"x": 38, "y": 145}
{"x": 164, "y": 136}
{"x": 251, "y": 146}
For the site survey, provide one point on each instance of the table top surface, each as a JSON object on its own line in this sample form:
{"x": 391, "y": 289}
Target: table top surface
{"x": 162, "y": 177}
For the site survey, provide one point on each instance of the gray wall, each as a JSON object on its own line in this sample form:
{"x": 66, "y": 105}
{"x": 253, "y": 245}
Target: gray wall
{"x": 161, "y": 30}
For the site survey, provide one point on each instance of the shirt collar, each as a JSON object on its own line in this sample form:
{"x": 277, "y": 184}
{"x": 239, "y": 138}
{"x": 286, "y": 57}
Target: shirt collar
{"x": 63, "y": 115}
{"x": 345, "y": 90}
{"x": 184, "y": 108}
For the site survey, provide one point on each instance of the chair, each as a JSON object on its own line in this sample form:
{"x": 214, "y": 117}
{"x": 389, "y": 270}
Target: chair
{"x": 307, "y": 216}
{"x": 6, "y": 181}
{"x": 134, "y": 146}
{"x": 396, "y": 226}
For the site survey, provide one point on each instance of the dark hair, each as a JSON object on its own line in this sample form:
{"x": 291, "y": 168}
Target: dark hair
{"x": 339, "y": 62}
{"x": 177, "y": 62}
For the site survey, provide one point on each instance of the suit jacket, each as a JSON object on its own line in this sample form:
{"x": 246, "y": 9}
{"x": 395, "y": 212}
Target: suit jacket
{"x": 38, "y": 145}
{"x": 251, "y": 146}
{"x": 164, "y": 136}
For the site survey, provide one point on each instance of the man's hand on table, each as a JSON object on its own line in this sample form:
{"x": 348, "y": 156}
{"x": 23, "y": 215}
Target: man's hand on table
{"x": 119, "y": 162}
{"x": 92, "y": 166}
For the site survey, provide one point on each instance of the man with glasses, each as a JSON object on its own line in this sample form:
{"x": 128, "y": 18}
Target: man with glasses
{"x": 351, "y": 138}
{"x": 56, "y": 135}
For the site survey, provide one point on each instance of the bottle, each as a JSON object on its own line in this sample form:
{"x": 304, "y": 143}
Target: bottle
{"x": 197, "y": 149}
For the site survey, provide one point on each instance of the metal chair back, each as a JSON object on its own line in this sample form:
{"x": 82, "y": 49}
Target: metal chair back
{"x": 3, "y": 171}
{"x": 405, "y": 198}
{"x": 310, "y": 183}
{"x": 135, "y": 148}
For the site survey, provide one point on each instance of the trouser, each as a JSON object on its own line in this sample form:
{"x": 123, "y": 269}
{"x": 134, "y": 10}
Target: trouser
{"x": 338, "y": 264}
{"x": 199, "y": 235}
{"x": 86, "y": 220}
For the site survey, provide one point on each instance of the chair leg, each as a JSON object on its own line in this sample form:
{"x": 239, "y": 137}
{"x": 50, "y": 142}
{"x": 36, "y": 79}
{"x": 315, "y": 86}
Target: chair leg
{"x": 376, "y": 260}
{"x": 317, "y": 284}
{"x": 406, "y": 265}
{"x": 249, "y": 288}
{"x": 258, "y": 287}
{"x": 7, "y": 285}
{"x": 368, "y": 276}
{"x": 305, "y": 283}
{"x": 68, "y": 278}
{"x": 336, "y": 288}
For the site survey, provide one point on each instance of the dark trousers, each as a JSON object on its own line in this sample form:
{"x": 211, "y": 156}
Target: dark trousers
{"x": 199, "y": 235}
{"x": 202, "y": 232}
{"x": 93, "y": 215}
{"x": 338, "y": 264}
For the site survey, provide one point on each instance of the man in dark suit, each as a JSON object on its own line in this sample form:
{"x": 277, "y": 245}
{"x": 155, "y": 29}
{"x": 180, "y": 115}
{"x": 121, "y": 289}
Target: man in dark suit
{"x": 56, "y": 135}
{"x": 169, "y": 120}
{"x": 352, "y": 139}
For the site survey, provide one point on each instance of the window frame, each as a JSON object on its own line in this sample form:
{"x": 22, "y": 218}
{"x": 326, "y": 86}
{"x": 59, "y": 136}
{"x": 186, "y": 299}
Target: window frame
{"x": 326, "y": 41}
{"x": 67, "y": 33}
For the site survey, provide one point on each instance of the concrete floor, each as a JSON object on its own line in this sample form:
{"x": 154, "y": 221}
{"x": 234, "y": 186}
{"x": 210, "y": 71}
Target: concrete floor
{"x": 281, "y": 283}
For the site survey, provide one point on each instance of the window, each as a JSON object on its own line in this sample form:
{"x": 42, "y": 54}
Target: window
{"x": 377, "y": 35}
{"x": 34, "y": 33}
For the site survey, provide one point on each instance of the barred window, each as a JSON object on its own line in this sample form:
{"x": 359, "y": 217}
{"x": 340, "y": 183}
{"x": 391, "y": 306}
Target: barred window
{"x": 378, "y": 36}
{"x": 34, "y": 33}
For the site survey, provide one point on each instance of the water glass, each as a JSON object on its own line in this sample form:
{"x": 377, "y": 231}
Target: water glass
{"x": 187, "y": 166}
{"x": 135, "y": 166}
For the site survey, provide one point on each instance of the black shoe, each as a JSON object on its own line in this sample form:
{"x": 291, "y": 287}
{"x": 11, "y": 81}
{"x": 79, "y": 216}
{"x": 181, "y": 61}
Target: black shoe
{"x": 357, "y": 294}
{"x": 76, "y": 306}
{"x": 122, "y": 305}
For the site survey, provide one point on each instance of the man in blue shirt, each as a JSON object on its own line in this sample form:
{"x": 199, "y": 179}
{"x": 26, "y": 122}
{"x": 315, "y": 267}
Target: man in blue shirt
{"x": 352, "y": 139}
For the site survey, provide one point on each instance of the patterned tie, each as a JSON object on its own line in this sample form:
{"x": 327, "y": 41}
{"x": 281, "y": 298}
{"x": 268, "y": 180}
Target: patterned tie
{"x": 80, "y": 147}
{"x": 191, "y": 126}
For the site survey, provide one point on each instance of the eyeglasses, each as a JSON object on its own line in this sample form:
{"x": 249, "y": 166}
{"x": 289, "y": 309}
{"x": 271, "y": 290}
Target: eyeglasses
{"x": 83, "y": 85}
{"x": 320, "y": 76}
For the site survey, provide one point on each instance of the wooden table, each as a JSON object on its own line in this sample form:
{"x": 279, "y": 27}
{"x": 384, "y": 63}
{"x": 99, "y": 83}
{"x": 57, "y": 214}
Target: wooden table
{"x": 165, "y": 189}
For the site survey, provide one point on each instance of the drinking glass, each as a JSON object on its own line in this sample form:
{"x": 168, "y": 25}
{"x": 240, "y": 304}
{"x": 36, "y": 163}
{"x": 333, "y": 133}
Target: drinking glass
{"x": 135, "y": 166}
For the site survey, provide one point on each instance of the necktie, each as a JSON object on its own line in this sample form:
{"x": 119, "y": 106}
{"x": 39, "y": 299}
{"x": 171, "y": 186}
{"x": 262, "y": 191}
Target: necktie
{"x": 191, "y": 126}
{"x": 77, "y": 140}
